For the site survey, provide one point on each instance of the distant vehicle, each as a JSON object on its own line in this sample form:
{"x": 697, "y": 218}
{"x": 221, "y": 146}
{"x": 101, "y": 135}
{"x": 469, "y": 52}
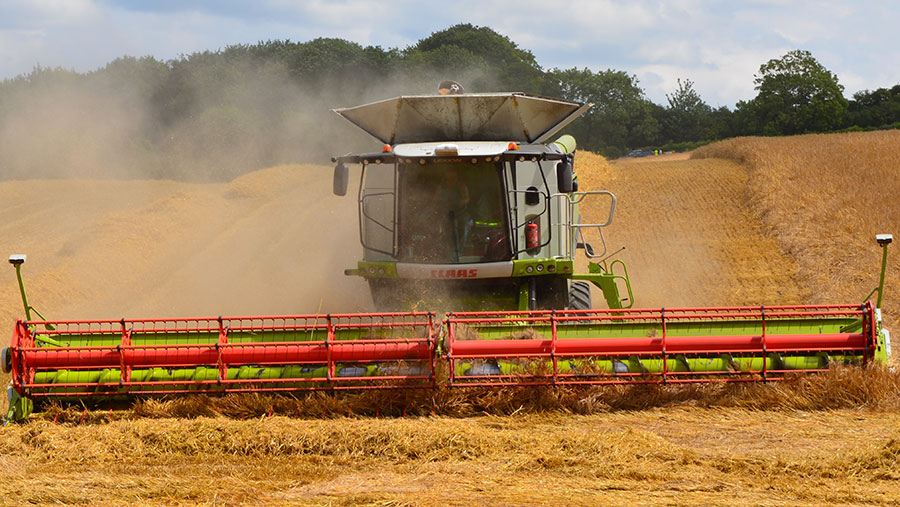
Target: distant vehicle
{"x": 640, "y": 153}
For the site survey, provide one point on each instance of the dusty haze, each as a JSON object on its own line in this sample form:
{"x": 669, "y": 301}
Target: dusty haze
{"x": 113, "y": 124}
{"x": 124, "y": 211}
{"x": 273, "y": 241}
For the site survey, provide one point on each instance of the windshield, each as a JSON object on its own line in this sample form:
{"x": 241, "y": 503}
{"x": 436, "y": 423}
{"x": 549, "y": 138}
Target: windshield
{"x": 452, "y": 213}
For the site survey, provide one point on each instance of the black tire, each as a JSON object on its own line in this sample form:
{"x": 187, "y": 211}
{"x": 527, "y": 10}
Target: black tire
{"x": 6, "y": 360}
{"x": 579, "y": 295}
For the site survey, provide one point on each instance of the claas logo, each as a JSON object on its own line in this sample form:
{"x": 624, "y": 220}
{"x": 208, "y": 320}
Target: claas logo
{"x": 454, "y": 273}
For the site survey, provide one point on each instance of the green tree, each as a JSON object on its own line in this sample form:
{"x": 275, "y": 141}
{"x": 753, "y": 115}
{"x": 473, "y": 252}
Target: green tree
{"x": 621, "y": 118}
{"x": 877, "y": 108}
{"x": 721, "y": 124}
{"x": 500, "y": 63}
{"x": 687, "y": 118}
{"x": 796, "y": 95}
{"x": 336, "y": 66}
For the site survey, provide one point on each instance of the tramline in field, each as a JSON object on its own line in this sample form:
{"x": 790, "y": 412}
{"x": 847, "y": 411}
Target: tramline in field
{"x": 469, "y": 211}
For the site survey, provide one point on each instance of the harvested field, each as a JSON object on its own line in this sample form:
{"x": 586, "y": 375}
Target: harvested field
{"x": 747, "y": 221}
{"x": 672, "y": 456}
{"x": 823, "y": 198}
{"x": 690, "y": 237}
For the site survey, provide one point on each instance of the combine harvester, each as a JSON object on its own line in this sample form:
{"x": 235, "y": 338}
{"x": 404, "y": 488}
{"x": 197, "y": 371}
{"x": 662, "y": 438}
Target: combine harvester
{"x": 469, "y": 210}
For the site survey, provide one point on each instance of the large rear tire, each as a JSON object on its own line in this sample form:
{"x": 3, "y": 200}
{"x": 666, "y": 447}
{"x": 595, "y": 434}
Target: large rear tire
{"x": 579, "y": 295}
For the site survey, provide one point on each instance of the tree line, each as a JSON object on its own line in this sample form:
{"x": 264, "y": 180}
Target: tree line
{"x": 216, "y": 114}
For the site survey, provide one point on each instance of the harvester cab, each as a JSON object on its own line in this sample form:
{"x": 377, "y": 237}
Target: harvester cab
{"x": 470, "y": 206}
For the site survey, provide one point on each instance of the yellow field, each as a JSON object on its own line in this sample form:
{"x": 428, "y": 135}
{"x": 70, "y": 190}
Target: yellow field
{"x": 823, "y": 198}
{"x": 674, "y": 456}
{"x": 690, "y": 236}
{"x": 747, "y": 221}
{"x": 273, "y": 241}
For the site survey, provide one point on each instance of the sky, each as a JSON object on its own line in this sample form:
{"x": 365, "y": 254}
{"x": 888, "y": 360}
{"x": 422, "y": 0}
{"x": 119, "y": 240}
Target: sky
{"x": 717, "y": 44}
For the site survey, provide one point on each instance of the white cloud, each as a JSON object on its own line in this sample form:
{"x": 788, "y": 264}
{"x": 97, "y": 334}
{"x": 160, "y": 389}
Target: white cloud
{"x": 49, "y": 13}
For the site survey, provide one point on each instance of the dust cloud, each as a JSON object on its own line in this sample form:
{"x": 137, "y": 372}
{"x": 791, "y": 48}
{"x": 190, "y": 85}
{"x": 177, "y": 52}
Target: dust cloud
{"x": 274, "y": 241}
{"x": 132, "y": 205}
{"x": 188, "y": 123}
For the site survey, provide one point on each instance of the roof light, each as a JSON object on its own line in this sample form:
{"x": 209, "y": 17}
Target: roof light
{"x": 512, "y": 147}
{"x": 386, "y": 148}
{"x": 446, "y": 149}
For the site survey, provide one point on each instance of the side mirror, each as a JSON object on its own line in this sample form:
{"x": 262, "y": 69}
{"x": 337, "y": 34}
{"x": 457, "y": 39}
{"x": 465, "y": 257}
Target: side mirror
{"x": 341, "y": 177}
{"x": 564, "y": 177}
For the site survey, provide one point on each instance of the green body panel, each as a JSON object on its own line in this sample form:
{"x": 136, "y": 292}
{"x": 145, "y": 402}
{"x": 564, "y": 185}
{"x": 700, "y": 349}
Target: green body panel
{"x": 496, "y": 293}
{"x": 19, "y": 406}
{"x": 524, "y": 292}
{"x": 521, "y": 268}
{"x": 566, "y": 143}
{"x": 212, "y": 337}
{"x": 538, "y": 267}
{"x": 608, "y": 283}
{"x": 370, "y": 269}
{"x": 677, "y": 364}
{"x": 881, "y": 348}
{"x": 107, "y": 380}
